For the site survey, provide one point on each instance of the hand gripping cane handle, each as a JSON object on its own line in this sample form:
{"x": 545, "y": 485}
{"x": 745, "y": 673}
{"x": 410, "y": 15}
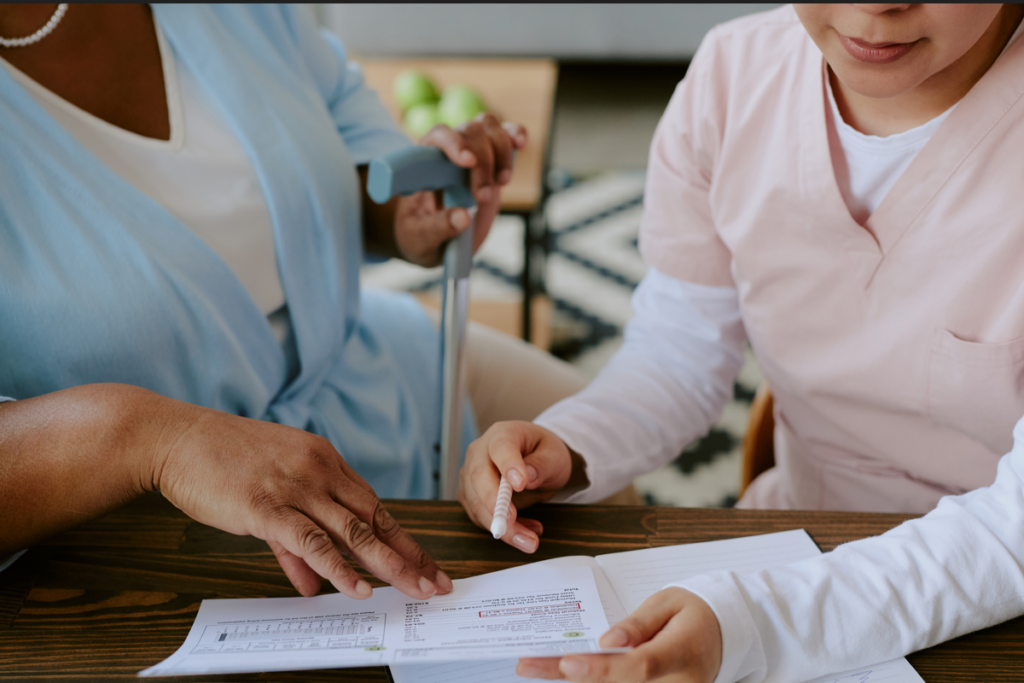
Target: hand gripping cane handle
{"x": 423, "y": 169}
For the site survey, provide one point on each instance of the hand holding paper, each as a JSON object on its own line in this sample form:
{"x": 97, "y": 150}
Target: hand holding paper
{"x": 673, "y": 632}
{"x": 629, "y": 582}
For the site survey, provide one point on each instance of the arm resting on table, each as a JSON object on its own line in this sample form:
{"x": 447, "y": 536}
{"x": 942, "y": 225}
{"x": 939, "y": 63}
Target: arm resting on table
{"x": 72, "y": 456}
{"x": 956, "y": 570}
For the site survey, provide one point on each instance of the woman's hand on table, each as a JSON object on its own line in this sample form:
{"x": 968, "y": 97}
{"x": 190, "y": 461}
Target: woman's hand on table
{"x": 293, "y": 490}
{"x": 535, "y": 462}
{"x": 675, "y": 638}
{"x": 94, "y": 447}
{"x": 422, "y": 225}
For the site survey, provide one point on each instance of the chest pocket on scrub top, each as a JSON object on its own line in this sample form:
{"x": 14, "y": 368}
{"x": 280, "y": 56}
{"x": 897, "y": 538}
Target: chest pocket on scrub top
{"x": 977, "y": 388}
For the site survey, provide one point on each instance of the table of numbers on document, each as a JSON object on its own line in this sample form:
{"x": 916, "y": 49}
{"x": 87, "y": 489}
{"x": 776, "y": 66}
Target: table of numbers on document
{"x": 362, "y": 630}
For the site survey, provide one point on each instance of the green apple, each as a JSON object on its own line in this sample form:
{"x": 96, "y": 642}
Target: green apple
{"x": 459, "y": 104}
{"x": 411, "y": 88}
{"x": 420, "y": 119}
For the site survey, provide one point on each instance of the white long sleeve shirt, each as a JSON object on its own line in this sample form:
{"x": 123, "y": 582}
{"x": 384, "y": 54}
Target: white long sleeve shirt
{"x": 665, "y": 387}
{"x": 958, "y": 569}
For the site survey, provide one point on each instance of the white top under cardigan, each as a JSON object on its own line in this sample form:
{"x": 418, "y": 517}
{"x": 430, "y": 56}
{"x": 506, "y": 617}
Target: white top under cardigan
{"x": 201, "y": 175}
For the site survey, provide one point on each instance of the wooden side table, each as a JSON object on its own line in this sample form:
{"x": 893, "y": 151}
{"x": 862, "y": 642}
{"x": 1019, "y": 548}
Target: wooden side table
{"x": 520, "y": 90}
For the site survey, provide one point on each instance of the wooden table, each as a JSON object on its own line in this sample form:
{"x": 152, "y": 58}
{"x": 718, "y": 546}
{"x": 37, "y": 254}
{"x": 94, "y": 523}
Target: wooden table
{"x": 520, "y": 90}
{"x": 115, "y": 596}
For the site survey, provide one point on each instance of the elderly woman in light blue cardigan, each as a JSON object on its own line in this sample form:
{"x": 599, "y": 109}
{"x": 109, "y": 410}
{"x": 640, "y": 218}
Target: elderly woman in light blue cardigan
{"x": 136, "y": 349}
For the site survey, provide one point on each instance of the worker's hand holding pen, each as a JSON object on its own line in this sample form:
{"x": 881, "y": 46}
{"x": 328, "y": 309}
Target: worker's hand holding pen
{"x": 674, "y": 636}
{"x": 534, "y": 461}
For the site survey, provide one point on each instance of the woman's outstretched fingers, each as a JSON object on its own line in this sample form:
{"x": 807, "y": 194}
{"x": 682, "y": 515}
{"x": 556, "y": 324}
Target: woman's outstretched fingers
{"x": 401, "y": 541}
{"x": 298, "y": 572}
{"x": 302, "y": 537}
{"x": 356, "y": 538}
{"x": 293, "y": 490}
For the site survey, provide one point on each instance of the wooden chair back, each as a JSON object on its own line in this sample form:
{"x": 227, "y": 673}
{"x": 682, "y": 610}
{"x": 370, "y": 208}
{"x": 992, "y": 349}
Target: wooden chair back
{"x": 759, "y": 441}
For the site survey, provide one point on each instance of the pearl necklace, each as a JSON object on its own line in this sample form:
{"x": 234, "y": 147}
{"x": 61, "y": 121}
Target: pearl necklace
{"x": 41, "y": 33}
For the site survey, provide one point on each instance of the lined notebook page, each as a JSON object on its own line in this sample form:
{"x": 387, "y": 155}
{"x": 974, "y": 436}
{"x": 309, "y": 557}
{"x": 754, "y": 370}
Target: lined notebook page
{"x": 638, "y": 574}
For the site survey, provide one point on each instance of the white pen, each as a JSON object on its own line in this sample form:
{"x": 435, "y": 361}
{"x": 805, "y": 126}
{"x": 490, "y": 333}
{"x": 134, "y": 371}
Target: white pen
{"x": 499, "y": 524}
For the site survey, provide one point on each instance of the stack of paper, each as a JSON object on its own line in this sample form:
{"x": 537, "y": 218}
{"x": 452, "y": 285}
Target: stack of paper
{"x": 476, "y": 633}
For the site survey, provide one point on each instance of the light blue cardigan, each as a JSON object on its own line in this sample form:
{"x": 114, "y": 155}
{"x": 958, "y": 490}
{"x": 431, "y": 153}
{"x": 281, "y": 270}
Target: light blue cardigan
{"x": 98, "y": 283}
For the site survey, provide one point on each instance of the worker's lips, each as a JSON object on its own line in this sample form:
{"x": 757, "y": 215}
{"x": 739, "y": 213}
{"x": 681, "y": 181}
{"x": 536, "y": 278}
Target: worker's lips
{"x": 877, "y": 53}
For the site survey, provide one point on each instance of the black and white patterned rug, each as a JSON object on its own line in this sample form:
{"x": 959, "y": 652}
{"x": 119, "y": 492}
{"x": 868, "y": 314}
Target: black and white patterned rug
{"x": 592, "y": 268}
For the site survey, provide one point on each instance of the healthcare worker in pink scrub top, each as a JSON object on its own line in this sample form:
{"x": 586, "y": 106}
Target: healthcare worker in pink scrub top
{"x": 839, "y": 185}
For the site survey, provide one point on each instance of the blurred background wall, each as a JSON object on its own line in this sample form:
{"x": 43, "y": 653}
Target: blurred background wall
{"x": 602, "y": 32}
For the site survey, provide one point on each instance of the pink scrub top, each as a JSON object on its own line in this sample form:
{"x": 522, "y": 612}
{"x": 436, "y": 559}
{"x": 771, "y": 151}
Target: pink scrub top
{"x": 894, "y": 349}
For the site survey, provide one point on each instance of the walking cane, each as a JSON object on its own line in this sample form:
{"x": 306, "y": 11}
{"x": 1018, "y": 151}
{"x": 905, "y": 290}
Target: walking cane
{"x": 420, "y": 169}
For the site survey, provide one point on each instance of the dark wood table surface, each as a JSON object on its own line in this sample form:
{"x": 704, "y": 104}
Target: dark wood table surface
{"x": 119, "y": 594}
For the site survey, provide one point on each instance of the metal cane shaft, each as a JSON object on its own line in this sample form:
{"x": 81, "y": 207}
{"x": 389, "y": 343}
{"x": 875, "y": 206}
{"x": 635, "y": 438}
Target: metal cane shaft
{"x": 457, "y": 264}
{"x": 421, "y": 169}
